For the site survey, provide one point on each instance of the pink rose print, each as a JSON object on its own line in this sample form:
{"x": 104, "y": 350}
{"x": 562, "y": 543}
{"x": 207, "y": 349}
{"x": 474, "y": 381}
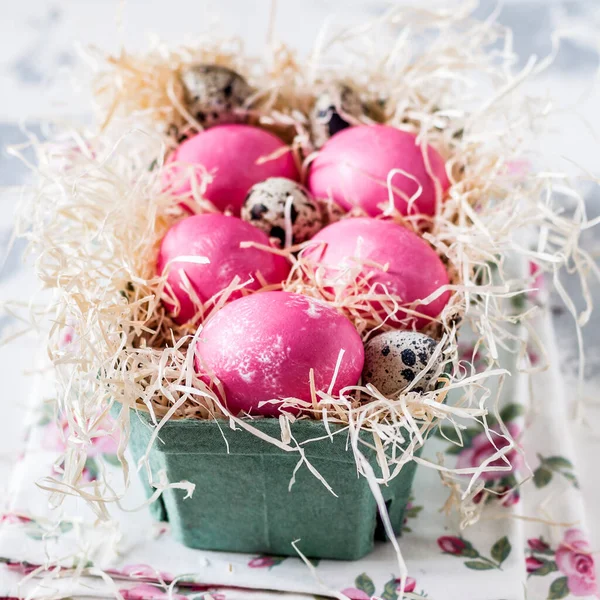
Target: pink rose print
{"x": 354, "y": 594}
{"x": 506, "y": 495}
{"x": 56, "y": 435}
{"x": 573, "y": 557}
{"x": 24, "y": 568}
{"x": 482, "y": 449}
{"x": 511, "y": 499}
{"x": 537, "y": 276}
{"x": 144, "y": 572}
{"x": 451, "y": 545}
{"x": 518, "y": 167}
{"x": 461, "y": 548}
{"x": 365, "y": 589}
{"x": 14, "y": 518}
{"x": 67, "y": 335}
{"x": 533, "y": 356}
{"x": 538, "y": 544}
{"x": 261, "y": 562}
{"x": 532, "y": 564}
{"x": 265, "y": 562}
{"x": 410, "y": 586}
{"x": 148, "y": 592}
{"x": 160, "y": 529}
{"x": 104, "y": 444}
{"x": 478, "y": 497}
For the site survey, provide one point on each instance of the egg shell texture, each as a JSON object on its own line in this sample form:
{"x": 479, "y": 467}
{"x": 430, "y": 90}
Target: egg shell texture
{"x": 218, "y": 238}
{"x": 231, "y": 153}
{"x": 395, "y": 358}
{"x": 414, "y": 269}
{"x": 263, "y": 346}
{"x": 352, "y": 168}
{"x": 213, "y": 93}
{"x": 265, "y": 208}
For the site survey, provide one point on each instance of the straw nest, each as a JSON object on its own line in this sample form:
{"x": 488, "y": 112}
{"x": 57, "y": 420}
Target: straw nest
{"x": 99, "y": 212}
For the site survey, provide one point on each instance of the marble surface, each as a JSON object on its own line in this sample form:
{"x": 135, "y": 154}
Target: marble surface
{"x": 38, "y": 46}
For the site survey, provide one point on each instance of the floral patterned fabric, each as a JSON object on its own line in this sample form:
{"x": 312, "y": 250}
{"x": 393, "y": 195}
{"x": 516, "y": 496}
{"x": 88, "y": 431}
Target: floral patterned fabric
{"x": 530, "y": 541}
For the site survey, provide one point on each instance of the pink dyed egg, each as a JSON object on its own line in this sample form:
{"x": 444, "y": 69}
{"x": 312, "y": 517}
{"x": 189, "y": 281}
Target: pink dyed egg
{"x": 415, "y": 270}
{"x": 352, "y": 169}
{"x": 262, "y": 347}
{"x": 216, "y": 237}
{"x": 232, "y": 154}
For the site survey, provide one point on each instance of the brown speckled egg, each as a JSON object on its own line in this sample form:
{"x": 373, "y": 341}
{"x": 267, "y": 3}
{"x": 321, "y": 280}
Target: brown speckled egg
{"x": 332, "y": 108}
{"x": 213, "y": 93}
{"x": 265, "y": 207}
{"x": 394, "y": 359}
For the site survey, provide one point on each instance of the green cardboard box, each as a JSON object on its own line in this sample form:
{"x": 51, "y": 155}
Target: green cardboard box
{"x": 242, "y": 502}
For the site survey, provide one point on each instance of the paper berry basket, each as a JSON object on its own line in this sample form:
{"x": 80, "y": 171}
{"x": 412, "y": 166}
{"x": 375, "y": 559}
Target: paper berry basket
{"x": 243, "y": 502}
{"x": 128, "y": 338}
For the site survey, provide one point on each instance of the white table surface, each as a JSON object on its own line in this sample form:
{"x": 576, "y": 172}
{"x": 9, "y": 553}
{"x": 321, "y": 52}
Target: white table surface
{"x": 37, "y": 39}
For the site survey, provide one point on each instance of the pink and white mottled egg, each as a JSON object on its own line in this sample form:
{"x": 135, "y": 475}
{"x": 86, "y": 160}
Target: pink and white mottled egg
{"x": 352, "y": 169}
{"x": 262, "y": 347}
{"x": 218, "y": 238}
{"x": 414, "y": 269}
{"x": 237, "y": 157}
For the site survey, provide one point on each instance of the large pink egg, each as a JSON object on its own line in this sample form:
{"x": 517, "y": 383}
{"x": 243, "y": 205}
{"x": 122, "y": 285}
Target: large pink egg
{"x": 218, "y": 238}
{"x": 236, "y": 156}
{"x": 352, "y": 169}
{"x": 262, "y": 347}
{"x": 415, "y": 270}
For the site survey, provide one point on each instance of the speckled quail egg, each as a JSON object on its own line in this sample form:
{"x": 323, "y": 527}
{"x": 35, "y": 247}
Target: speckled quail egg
{"x": 394, "y": 359}
{"x": 213, "y": 93}
{"x": 265, "y": 208}
{"x": 335, "y": 103}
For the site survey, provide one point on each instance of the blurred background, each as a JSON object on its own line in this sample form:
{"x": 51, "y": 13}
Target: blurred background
{"x": 39, "y": 42}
